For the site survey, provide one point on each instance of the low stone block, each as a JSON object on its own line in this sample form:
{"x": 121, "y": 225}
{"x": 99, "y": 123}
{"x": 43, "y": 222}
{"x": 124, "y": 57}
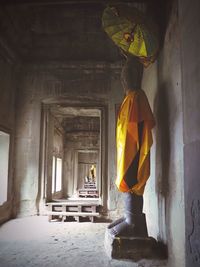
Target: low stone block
{"x": 133, "y": 248}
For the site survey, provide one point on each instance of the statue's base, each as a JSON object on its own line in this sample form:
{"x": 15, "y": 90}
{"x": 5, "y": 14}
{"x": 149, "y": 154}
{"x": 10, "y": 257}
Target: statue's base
{"x": 133, "y": 248}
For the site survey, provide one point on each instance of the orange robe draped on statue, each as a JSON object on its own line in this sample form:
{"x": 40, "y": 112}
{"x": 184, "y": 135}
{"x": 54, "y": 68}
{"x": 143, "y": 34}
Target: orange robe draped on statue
{"x": 134, "y": 109}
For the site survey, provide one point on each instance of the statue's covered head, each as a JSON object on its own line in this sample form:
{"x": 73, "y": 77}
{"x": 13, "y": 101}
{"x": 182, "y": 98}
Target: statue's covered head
{"x": 131, "y": 75}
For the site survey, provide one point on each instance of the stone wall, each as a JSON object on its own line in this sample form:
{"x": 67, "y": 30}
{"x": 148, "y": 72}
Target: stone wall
{"x": 115, "y": 199}
{"x": 164, "y": 196}
{"x": 189, "y": 35}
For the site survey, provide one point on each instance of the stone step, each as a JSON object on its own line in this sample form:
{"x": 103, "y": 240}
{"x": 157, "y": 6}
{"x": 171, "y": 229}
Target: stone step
{"x": 71, "y": 203}
{"x": 72, "y": 213}
{"x": 76, "y": 215}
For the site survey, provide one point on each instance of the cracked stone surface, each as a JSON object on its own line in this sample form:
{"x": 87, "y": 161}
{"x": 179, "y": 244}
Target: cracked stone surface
{"x": 33, "y": 241}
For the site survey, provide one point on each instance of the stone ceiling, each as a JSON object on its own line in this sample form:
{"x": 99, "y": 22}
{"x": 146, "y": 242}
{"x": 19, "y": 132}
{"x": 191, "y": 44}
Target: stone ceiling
{"x": 71, "y": 112}
{"x": 76, "y": 119}
{"x": 39, "y": 31}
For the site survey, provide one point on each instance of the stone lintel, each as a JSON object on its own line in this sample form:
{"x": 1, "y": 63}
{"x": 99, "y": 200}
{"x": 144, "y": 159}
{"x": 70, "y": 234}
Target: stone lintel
{"x": 90, "y": 66}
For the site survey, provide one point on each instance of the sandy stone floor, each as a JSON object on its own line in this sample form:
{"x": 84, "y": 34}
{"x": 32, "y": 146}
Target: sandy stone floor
{"x": 33, "y": 241}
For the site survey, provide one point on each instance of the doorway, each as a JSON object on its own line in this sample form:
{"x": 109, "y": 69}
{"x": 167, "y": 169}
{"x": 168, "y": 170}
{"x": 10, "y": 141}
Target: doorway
{"x": 81, "y": 150}
{"x": 87, "y": 182}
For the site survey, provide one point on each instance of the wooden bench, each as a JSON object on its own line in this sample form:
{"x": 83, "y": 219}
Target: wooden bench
{"x": 72, "y": 209}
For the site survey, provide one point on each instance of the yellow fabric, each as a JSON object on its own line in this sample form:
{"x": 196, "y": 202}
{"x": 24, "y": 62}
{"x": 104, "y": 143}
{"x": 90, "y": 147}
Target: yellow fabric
{"x": 134, "y": 109}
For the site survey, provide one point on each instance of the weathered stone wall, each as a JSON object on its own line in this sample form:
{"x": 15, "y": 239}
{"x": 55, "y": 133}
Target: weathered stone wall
{"x": 7, "y": 124}
{"x": 58, "y": 143}
{"x": 189, "y": 33}
{"x": 150, "y": 86}
{"x": 164, "y": 196}
{"x": 115, "y": 199}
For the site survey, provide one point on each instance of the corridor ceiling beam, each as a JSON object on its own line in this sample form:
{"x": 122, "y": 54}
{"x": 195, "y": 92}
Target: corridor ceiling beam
{"x": 61, "y": 2}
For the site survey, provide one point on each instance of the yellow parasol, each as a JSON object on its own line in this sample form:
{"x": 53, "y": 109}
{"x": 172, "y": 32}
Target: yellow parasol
{"x": 132, "y": 31}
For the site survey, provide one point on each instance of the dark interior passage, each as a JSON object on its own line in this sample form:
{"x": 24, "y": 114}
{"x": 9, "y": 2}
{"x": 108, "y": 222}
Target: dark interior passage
{"x": 60, "y": 90}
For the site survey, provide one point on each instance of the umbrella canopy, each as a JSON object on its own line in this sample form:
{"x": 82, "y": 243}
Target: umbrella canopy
{"x": 132, "y": 32}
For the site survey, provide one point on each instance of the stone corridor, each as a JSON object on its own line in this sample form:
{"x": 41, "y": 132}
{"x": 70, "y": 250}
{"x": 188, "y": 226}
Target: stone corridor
{"x": 60, "y": 95}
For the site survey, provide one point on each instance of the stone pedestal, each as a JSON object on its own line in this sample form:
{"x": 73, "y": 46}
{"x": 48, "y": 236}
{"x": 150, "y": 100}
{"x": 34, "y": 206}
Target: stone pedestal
{"x": 134, "y": 248}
